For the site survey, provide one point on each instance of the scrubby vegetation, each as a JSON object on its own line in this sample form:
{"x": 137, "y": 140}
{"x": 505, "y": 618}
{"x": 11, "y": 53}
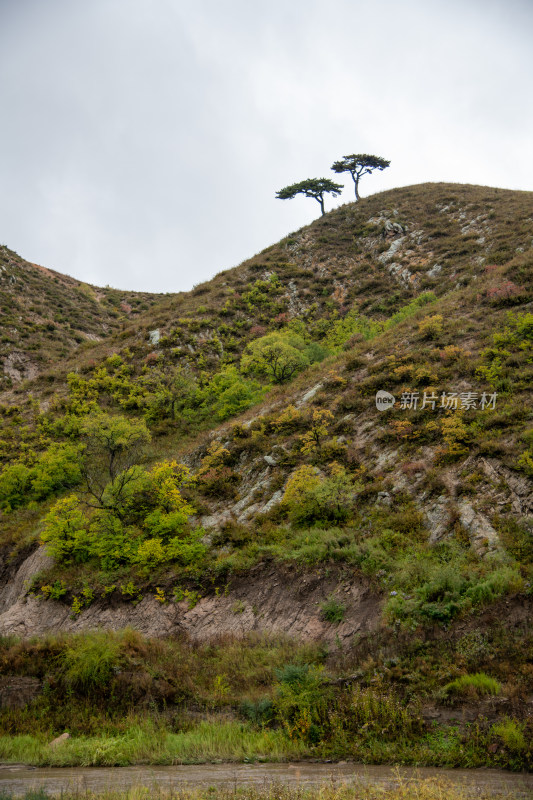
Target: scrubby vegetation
{"x": 246, "y": 433}
{"x": 132, "y": 698}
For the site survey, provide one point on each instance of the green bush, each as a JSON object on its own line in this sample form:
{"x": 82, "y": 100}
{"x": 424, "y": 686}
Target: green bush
{"x": 56, "y": 469}
{"x": 375, "y": 711}
{"x": 301, "y": 702}
{"x": 66, "y": 531}
{"x": 511, "y": 733}
{"x": 90, "y": 660}
{"x": 260, "y": 712}
{"x": 309, "y": 498}
{"x": 229, "y": 393}
{"x": 15, "y": 486}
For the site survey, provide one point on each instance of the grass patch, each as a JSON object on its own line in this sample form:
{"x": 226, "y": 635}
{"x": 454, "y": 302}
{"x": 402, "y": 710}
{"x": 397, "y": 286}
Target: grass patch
{"x": 207, "y": 741}
{"x": 477, "y": 685}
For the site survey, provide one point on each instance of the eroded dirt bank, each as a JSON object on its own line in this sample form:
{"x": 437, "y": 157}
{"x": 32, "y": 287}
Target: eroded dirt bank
{"x": 270, "y": 598}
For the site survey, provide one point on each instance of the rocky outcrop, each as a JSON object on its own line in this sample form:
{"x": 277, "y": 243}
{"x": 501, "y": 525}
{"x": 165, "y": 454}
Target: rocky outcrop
{"x": 16, "y": 580}
{"x": 483, "y": 537}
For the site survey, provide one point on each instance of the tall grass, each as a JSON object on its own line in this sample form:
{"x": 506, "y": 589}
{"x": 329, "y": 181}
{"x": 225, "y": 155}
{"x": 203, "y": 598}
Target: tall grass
{"x": 207, "y": 741}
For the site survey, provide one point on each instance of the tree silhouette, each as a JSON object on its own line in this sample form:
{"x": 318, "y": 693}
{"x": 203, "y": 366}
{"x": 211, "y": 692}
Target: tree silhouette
{"x": 359, "y": 164}
{"x": 312, "y": 187}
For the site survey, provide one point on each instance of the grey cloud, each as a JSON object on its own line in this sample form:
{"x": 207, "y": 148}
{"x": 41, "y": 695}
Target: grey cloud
{"x": 143, "y": 141}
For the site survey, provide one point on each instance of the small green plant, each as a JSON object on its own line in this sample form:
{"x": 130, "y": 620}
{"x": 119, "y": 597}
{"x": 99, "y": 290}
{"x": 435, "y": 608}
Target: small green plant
{"x": 192, "y": 596}
{"x": 238, "y": 607}
{"x": 55, "y": 591}
{"x": 333, "y": 610}
{"x": 76, "y": 607}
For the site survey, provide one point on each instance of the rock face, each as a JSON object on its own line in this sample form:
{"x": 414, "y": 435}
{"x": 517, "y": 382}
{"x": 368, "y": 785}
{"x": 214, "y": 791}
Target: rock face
{"x": 483, "y": 537}
{"x": 438, "y": 519}
{"x": 270, "y": 599}
{"x": 14, "y": 586}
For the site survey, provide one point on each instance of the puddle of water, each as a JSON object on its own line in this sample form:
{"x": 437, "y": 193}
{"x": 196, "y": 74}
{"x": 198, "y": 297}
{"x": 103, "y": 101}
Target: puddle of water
{"x": 18, "y": 779}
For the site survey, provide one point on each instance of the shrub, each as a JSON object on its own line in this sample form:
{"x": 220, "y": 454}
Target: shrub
{"x": 229, "y": 393}
{"x": 150, "y": 553}
{"x": 431, "y": 327}
{"x": 309, "y": 498}
{"x": 277, "y": 356}
{"x": 89, "y": 662}
{"x": 319, "y": 428}
{"x": 15, "y": 486}
{"x": 377, "y": 712}
{"x": 65, "y": 531}
{"x": 55, "y": 469}
{"x": 301, "y": 702}
{"x": 219, "y": 482}
{"x": 260, "y": 712}
{"x": 511, "y": 733}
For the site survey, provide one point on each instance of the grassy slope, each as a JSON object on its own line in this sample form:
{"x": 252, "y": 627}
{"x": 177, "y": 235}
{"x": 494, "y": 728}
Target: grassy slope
{"x": 481, "y": 239}
{"x": 45, "y": 316}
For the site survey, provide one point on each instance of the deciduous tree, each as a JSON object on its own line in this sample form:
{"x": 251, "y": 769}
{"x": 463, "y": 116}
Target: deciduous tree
{"x": 277, "y": 356}
{"x": 113, "y": 445}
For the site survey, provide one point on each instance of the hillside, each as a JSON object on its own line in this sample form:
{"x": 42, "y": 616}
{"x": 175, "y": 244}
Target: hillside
{"x": 45, "y": 316}
{"x": 354, "y": 578}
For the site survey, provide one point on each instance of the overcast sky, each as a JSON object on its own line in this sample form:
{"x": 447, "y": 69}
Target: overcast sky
{"x": 143, "y": 141}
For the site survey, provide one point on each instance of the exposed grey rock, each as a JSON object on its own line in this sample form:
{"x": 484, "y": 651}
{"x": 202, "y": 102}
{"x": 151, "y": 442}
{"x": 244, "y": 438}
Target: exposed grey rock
{"x": 273, "y": 603}
{"x": 216, "y": 520}
{"x": 274, "y": 501}
{"x": 59, "y": 739}
{"x": 393, "y": 228}
{"x": 402, "y": 272}
{"x": 438, "y": 517}
{"x": 483, "y": 537}
{"x": 389, "y": 254}
{"x": 384, "y": 499}
{"x": 270, "y": 460}
{"x": 308, "y": 395}
{"x": 17, "y": 586}
{"x": 435, "y": 269}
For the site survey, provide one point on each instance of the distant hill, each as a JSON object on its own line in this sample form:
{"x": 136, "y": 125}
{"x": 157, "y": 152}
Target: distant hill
{"x": 45, "y": 316}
